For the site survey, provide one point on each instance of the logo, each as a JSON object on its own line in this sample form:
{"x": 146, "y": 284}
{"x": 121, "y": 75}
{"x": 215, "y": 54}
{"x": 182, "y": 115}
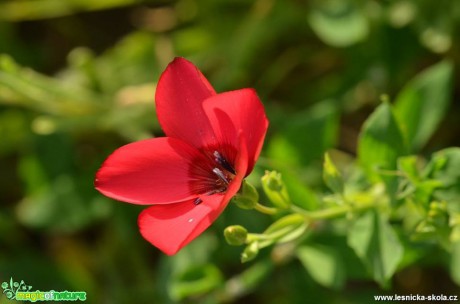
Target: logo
{"x": 20, "y": 291}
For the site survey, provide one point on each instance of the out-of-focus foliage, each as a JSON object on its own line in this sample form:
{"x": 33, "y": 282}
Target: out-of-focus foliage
{"x": 372, "y": 82}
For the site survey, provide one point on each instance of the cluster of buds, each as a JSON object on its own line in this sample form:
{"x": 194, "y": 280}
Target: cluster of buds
{"x": 286, "y": 228}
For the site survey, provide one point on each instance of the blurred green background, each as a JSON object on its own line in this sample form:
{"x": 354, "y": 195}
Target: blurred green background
{"x": 77, "y": 80}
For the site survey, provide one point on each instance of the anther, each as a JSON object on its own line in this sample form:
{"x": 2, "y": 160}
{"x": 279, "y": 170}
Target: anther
{"x": 220, "y": 175}
{"x": 197, "y": 201}
{"x": 223, "y": 162}
{"x": 216, "y": 191}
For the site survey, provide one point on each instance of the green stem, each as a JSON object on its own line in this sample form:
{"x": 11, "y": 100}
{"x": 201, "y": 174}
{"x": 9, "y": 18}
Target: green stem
{"x": 334, "y": 212}
{"x": 264, "y": 209}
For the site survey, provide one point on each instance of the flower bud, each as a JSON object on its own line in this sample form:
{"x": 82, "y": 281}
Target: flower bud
{"x": 275, "y": 190}
{"x": 235, "y": 235}
{"x": 250, "y": 252}
{"x": 247, "y": 197}
{"x": 272, "y": 180}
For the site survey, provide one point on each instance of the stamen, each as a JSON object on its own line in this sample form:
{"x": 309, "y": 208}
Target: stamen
{"x": 216, "y": 191}
{"x": 220, "y": 175}
{"x": 223, "y": 162}
{"x": 211, "y": 176}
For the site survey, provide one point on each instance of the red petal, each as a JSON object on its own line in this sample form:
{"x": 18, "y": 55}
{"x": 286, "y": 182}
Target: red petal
{"x": 242, "y": 110}
{"x": 151, "y": 171}
{"x": 179, "y": 96}
{"x": 171, "y": 227}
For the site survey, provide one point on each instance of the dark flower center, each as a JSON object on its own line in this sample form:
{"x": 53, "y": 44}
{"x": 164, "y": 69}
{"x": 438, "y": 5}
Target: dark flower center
{"x": 212, "y": 177}
{"x": 223, "y": 172}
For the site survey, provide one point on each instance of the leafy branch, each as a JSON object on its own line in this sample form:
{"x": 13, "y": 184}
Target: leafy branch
{"x": 388, "y": 198}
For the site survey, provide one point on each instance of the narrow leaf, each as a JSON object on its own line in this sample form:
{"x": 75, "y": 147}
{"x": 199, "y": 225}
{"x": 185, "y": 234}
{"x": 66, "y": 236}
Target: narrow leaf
{"x": 331, "y": 175}
{"x": 446, "y": 169}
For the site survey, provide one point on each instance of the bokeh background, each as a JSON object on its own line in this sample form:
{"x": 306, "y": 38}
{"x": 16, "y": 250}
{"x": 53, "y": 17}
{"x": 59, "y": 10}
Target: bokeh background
{"x": 77, "y": 80}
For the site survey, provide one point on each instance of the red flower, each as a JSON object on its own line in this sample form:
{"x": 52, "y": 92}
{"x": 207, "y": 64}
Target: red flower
{"x": 212, "y": 143}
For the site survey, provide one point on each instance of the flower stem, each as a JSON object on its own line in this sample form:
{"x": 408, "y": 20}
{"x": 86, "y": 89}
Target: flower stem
{"x": 264, "y": 209}
{"x": 334, "y": 212}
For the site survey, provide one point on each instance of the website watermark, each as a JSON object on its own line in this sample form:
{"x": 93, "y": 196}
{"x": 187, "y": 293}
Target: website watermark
{"x": 20, "y": 291}
{"x": 417, "y": 297}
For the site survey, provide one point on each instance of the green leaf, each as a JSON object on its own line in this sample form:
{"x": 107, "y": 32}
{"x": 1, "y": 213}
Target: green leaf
{"x": 446, "y": 165}
{"x": 424, "y": 191}
{"x": 423, "y": 102}
{"x": 338, "y": 23}
{"x": 323, "y": 264}
{"x": 331, "y": 175}
{"x": 381, "y": 141}
{"x": 422, "y": 187}
{"x": 408, "y": 165}
{"x": 376, "y": 244}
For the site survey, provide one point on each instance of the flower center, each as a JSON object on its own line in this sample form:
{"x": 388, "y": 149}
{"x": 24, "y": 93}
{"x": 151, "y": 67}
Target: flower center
{"x": 223, "y": 172}
{"x": 212, "y": 177}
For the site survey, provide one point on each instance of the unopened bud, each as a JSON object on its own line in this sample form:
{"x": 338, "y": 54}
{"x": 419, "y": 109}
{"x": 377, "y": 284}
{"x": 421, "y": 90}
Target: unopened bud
{"x": 247, "y": 197}
{"x": 275, "y": 190}
{"x": 235, "y": 235}
{"x": 250, "y": 252}
{"x": 272, "y": 181}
